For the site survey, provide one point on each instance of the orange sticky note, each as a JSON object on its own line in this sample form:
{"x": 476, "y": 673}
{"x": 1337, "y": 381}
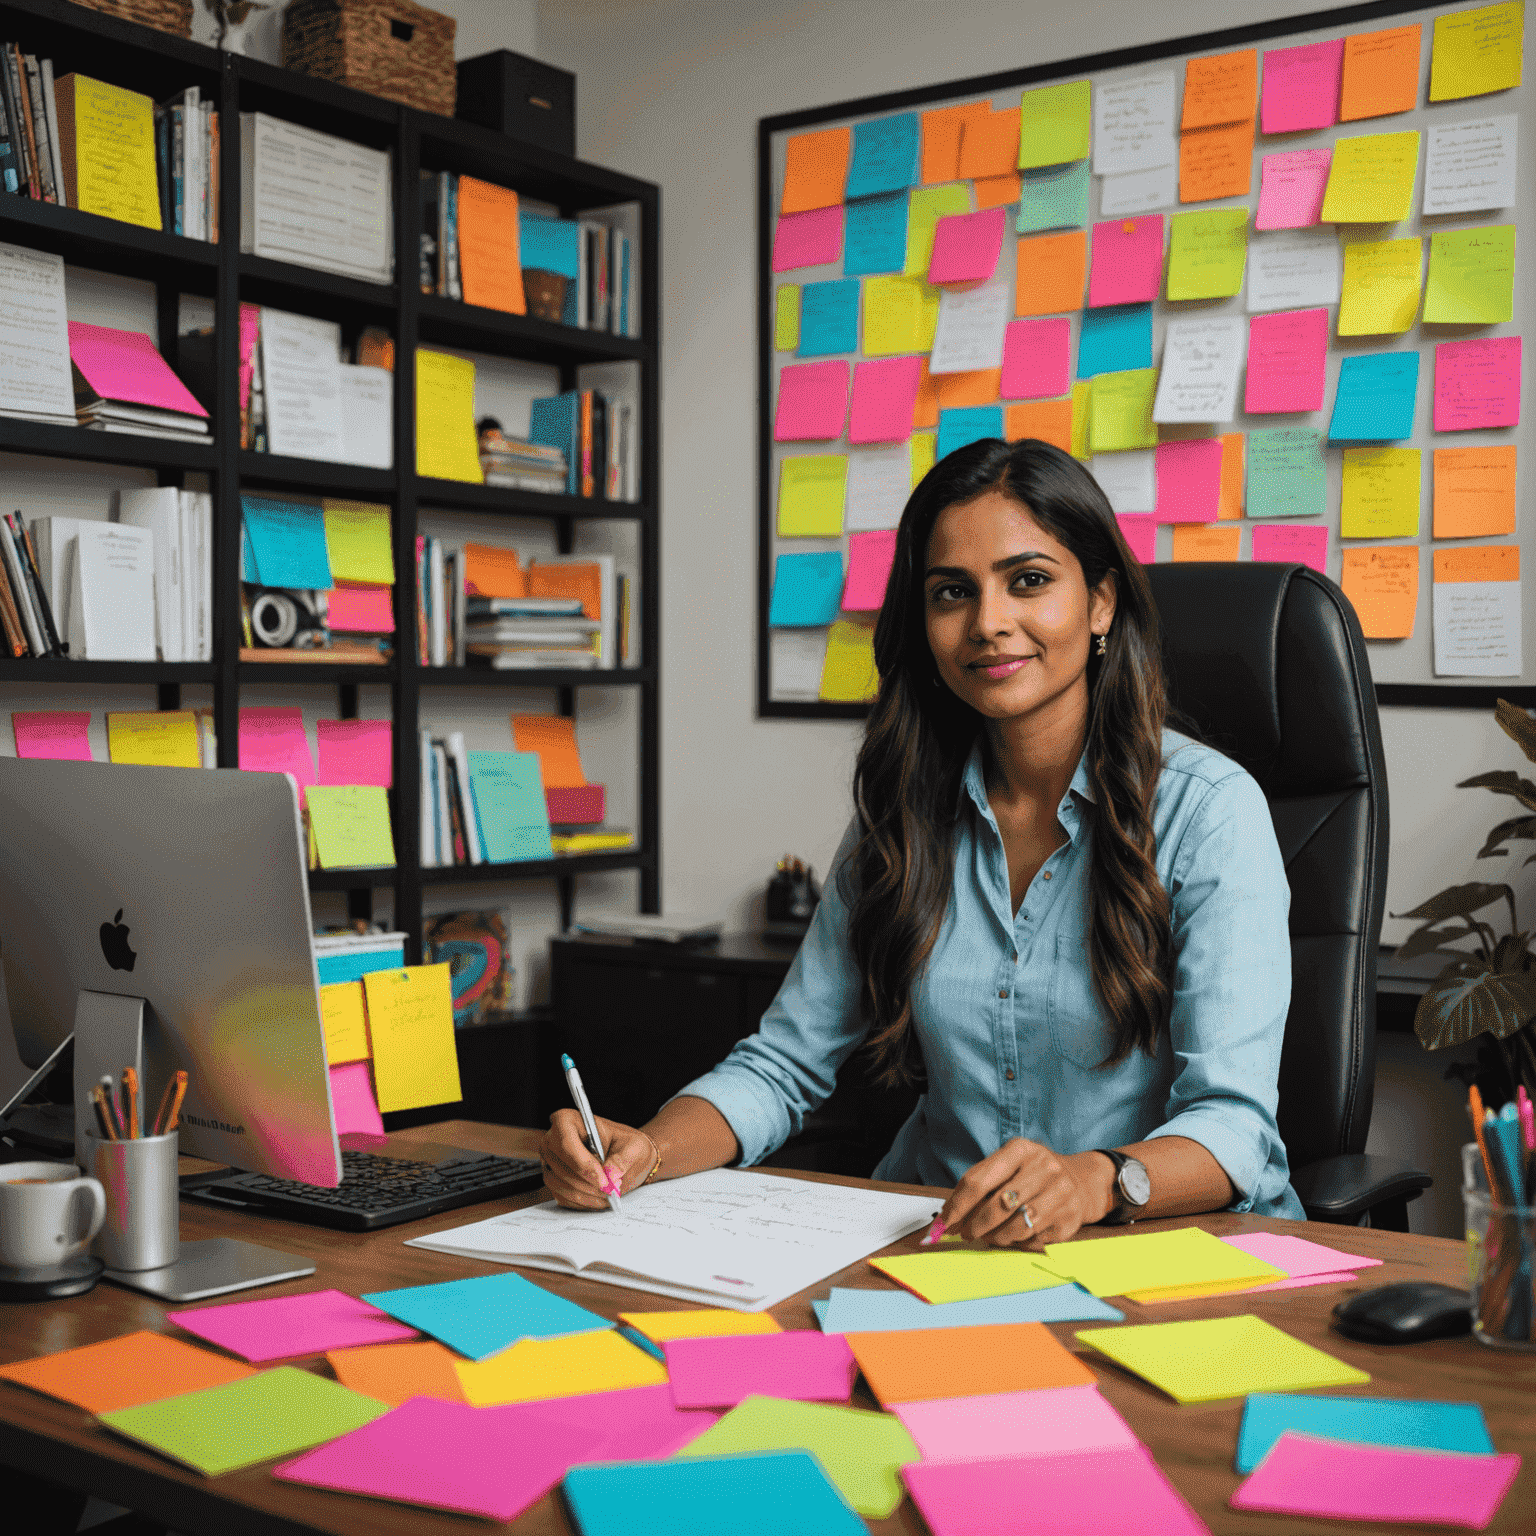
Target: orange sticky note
{"x": 1381, "y": 73}
{"x": 1223, "y": 89}
{"x": 1205, "y": 541}
{"x": 488, "y": 260}
{"x": 925, "y": 1363}
{"x": 1051, "y": 272}
{"x": 979, "y": 388}
{"x": 553, "y": 737}
{"x": 815, "y": 170}
{"x": 1383, "y": 584}
{"x": 1480, "y": 562}
{"x": 1230, "y": 504}
{"x": 1216, "y": 162}
{"x": 491, "y": 571}
{"x": 989, "y": 146}
{"x": 1474, "y": 492}
{"x": 123, "y": 1373}
{"x": 942, "y": 128}
{"x": 925, "y": 408}
{"x": 1048, "y": 420}
{"x": 581, "y": 578}
{"x": 395, "y": 1373}
{"x": 997, "y": 191}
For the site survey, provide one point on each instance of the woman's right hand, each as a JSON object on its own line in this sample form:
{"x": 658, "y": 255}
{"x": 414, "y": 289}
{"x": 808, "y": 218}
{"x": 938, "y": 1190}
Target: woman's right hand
{"x": 577, "y": 1179}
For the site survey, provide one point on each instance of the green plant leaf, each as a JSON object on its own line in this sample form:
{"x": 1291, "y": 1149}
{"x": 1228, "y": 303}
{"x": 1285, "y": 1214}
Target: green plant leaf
{"x": 1427, "y": 941}
{"x": 1517, "y": 828}
{"x": 1518, "y": 725}
{"x": 1460, "y": 1008}
{"x": 1510, "y": 953}
{"x": 1458, "y": 901}
{"x": 1503, "y": 781}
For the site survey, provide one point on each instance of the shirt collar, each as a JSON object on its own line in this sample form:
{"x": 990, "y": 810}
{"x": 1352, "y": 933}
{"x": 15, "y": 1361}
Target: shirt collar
{"x": 974, "y": 782}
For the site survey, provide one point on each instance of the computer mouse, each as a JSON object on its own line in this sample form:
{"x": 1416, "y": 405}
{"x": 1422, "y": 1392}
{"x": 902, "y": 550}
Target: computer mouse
{"x": 1408, "y": 1313}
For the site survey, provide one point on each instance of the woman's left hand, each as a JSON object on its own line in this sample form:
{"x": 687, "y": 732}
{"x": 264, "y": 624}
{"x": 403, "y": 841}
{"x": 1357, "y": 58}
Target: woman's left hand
{"x": 1026, "y": 1194}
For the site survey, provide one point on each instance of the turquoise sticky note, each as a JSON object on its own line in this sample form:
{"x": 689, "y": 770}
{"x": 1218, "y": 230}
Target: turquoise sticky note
{"x": 1360, "y": 1421}
{"x": 481, "y": 1316}
{"x": 968, "y": 424}
{"x": 863, "y": 1311}
{"x": 806, "y": 589}
{"x": 1376, "y": 397}
{"x": 820, "y": 1309}
{"x": 549, "y": 245}
{"x": 1055, "y": 197}
{"x": 875, "y": 235}
{"x": 829, "y": 318}
{"x": 1114, "y": 339}
{"x": 510, "y": 811}
{"x": 763, "y": 1495}
{"x": 247, "y": 559}
{"x": 1286, "y": 475}
{"x": 287, "y": 542}
{"x": 884, "y": 156}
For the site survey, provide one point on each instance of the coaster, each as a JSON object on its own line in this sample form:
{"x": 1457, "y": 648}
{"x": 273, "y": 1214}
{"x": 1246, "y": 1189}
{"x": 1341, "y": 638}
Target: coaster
{"x": 53, "y": 1282}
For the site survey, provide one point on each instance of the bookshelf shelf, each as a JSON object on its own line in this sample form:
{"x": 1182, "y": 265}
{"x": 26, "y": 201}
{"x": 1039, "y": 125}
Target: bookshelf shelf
{"x": 453, "y": 324}
{"x": 88, "y": 240}
{"x": 496, "y": 501}
{"x": 312, "y": 476}
{"x": 316, "y": 672}
{"x": 104, "y": 447}
{"x": 38, "y": 670}
{"x": 536, "y": 869}
{"x": 536, "y": 677}
{"x": 281, "y": 282}
{"x": 353, "y": 879}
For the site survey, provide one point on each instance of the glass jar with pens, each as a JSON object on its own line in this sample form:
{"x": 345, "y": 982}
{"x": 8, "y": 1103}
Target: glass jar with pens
{"x": 134, "y": 1158}
{"x": 1498, "y": 1186}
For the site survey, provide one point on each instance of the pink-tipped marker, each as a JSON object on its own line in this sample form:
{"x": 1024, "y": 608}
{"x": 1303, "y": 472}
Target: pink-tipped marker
{"x": 934, "y": 1233}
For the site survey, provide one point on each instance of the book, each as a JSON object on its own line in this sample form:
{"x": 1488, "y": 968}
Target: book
{"x": 159, "y": 511}
{"x": 29, "y": 618}
{"x": 300, "y": 364}
{"x": 594, "y": 579}
{"x": 121, "y": 381}
{"x": 35, "y": 380}
{"x": 112, "y": 594}
{"x": 509, "y": 819}
{"x": 459, "y": 765}
{"x": 50, "y": 542}
{"x": 106, "y": 140}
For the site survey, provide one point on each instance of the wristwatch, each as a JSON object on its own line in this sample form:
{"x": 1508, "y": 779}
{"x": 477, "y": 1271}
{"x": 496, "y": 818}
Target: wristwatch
{"x": 1134, "y": 1187}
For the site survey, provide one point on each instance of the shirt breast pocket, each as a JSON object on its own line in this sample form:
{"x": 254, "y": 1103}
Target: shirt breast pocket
{"x": 1080, "y": 1032}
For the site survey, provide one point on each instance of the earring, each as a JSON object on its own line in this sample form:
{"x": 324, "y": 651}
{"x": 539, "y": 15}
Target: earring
{"x": 1103, "y": 646}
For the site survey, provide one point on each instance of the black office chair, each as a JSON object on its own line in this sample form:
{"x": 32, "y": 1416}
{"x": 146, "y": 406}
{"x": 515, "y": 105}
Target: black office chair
{"x": 1267, "y": 663}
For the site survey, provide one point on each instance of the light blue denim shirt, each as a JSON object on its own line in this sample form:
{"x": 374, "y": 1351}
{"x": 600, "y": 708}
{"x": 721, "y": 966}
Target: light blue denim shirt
{"x": 1011, "y": 1029}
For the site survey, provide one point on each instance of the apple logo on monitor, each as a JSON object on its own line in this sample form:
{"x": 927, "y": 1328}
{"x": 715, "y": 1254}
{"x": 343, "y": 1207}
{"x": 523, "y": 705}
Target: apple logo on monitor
{"x": 114, "y": 944}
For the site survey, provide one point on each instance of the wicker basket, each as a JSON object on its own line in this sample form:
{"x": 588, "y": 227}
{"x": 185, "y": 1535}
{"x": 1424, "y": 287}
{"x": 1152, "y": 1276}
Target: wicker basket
{"x": 173, "y": 16}
{"x": 397, "y": 50}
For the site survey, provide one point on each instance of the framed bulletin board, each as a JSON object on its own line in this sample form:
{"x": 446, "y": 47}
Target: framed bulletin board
{"x": 1263, "y": 282}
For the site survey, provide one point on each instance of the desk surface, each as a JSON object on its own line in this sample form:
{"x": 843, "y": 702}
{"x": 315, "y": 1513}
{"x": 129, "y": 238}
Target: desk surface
{"x": 1193, "y": 1444}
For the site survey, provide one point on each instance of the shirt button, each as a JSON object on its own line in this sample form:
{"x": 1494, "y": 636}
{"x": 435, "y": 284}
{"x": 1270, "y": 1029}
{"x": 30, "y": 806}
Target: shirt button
{"x": 1046, "y": 875}
{"x": 1009, "y": 1074}
{"x": 1003, "y": 992}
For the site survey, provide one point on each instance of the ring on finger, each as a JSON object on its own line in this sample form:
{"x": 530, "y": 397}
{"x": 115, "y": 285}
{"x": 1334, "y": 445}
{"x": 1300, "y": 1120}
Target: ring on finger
{"x": 1010, "y": 1199}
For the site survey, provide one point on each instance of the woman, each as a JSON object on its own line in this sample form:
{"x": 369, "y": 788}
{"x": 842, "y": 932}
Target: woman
{"x": 1068, "y": 920}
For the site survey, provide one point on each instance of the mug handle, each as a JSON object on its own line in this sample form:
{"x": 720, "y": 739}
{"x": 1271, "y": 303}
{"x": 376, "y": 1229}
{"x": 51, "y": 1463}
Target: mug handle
{"x": 98, "y": 1210}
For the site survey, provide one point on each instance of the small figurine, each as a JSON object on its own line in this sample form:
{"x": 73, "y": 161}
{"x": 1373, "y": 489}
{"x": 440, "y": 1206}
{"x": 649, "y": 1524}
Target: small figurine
{"x": 234, "y": 18}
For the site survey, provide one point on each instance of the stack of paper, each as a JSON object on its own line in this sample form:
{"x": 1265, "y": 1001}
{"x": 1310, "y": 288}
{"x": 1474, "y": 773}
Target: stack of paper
{"x": 122, "y": 384}
{"x": 182, "y": 525}
{"x": 34, "y": 339}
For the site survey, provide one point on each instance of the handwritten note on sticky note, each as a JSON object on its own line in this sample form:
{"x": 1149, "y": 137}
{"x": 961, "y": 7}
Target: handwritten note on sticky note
{"x": 1381, "y": 287}
{"x": 1037, "y": 359}
{"x": 1139, "y": 192}
{"x": 1140, "y": 535}
{"x": 1120, "y": 414}
{"x": 1292, "y": 543}
{"x": 1054, "y": 124}
{"x": 446, "y": 446}
{"x": 811, "y": 493}
{"x": 1189, "y": 482}
{"x": 1474, "y": 492}
{"x": 1380, "y": 498}
{"x": 1383, "y": 586}
{"x": 885, "y": 151}
{"x": 1469, "y": 167}
{"x": 60, "y": 734}
{"x": 1127, "y": 266}
{"x": 876, "y": 235}
{"x": 786, "y": 318}
{"x": 1133, "y": 125}
{"x": 1287, "y": 360}
{"x": 829, "y": 317}
{"x": 813, "y": 401}
{"x": 810, "y": 239}
{"x": 815, "y": 169}
{"x": 1216, "y": 162}
{"x": 346, "y": 1022}
{"x": 1054, "y": 197}
{"x": 488, "y": 246}
{"x": 1286, "y": 476}
{"x": 1050, "y": 272}
{"x": 357, "y": 538}
{"x": 1047, "y": 421}
{"x": 1477, "y": 384}
{"x": 966, "y": 246}
{"x": 1195, "y": 542}
{"x": 969, "y": 334}
{"x": 410, "y": 1021}
{"x": 869, "y": 567}
{"x": 989, "y": 146}
{"x": 361, "y": 610}
{"x": 848, "y": 675}
{"x": 157, "y": 738}
{"x": 942, "y": 128}
{"x": 113, "y": 150}
{"x": 1471, "y": 276}
{"x": 353, "y": 751}
{"x": 1477, "y": 52}
{"x": 806, "y": 589}
{"x": 1381, "y": 73}
{"x": 926, "y": 206}
{"x": 1477, "y": 611}
{"x": 1294, "y": 269}
{"x": 351, "y": 826}
{"x": 1371, "y": 179}
{"x": 1220, "y": 89}
{"x": 1114, "y": 339}
{"x": 893, "y": 315}
{"x": 884, "y": 399}
{"x": 1376, "y": 397}
{"x": 1207, "y": 252}
{"x": 1291, "y": 188}
{"x": 1301, "y": 87}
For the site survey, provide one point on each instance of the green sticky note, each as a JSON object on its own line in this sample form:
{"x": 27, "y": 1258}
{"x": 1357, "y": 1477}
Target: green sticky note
{"x": 928, "y": 205}
{"x": 1120, "y": 411}
{"x": 786, "y": 318}
{"x": 1207, "y": 251}
{"x": 1471, "y": 276}
{"x": 275, "y": 1413}
{"x": 357, "y": 540}
{"x": 1054, "y": 125}
{"x": 1216, "y": 1357}
{"x": 1150, "y": 1261}
{"x": 1286, "y": 474}
{"x": 1380, "y": 498}
{"x": 860, "y": 1451}
{"x": 351, "y": 826}
{"x": 968, "y": 1274}
{"x": 811, "y": 490}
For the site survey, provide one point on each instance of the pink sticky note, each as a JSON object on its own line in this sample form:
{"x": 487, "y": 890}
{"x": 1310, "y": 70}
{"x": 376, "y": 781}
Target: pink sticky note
{"x": 1477, "y": 384}
{"x": 352, "y": 1100}
{"x": 805, "y": 1366}
{"x": 1189, "y": 480}
{"x": 1042, "y": 1423}
{"x": 250, "y": 334}
{"x": 1113, "y": 1488}
{"x": 1333, "y": 1480}
{"x": 1301, "y": 87}
{"x": 274, "y": 741}
{"x": 1283, "y": 543}
{"x": 884, "y": 396}
{"x": 813, "y": 402}
{"x": 1295, "y": 1255}
{"x": 1127, "y": 265}
{"x": 1037, "y": 360}
{"x": 1287, "y": 361}
{"x": 966, "y": 246}
{"x": 808, "y": 239}
{"x": 124, "y": 365}
{"x": 1140, "y": 532}
{"x": 869, "y": 568}
{"x": 354, "y": 752}
{"x": 369, "y": 610}
{"x": 285, "y": 1327}
{"x": 643, "y": 1422}
{"x": 1291, "y": 188}
{"x": 62, "y": 734}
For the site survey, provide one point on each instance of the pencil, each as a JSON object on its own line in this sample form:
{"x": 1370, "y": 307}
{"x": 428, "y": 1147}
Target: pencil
{"x": 175, "y": 1115}
{"x": 131, "y": 1092}
{"x": 1475, "y": 1104}
{"x": 114, "y": 1114}
{"x": 103, "y": 1115}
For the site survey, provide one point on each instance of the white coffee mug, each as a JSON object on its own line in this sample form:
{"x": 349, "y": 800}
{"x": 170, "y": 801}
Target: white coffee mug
{"x": 48, "y": 1213}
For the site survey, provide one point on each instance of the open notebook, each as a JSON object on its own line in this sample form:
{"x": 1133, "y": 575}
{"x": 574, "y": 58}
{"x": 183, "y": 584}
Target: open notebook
{"x": 726, "y": 1238}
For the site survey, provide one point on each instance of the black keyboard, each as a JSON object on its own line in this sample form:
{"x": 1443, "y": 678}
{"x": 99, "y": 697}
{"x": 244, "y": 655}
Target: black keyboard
{"x": 377, "y": 1191}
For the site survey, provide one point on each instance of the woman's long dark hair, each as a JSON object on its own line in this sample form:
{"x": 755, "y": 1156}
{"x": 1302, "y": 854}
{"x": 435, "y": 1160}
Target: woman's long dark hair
{"x": 907, "y": 782}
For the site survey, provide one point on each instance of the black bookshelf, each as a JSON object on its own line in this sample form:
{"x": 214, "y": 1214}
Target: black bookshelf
{"x": 123, "y": 53}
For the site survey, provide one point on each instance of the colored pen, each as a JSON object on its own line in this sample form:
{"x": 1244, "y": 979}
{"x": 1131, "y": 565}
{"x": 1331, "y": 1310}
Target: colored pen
{"x": 131, "y": 1093}
{"x": 108, "y": 1090}
{"x": 1475, "y": 1103}
{"x": 170, "y": 1105}
{"x": 103, "y": 1115}
{"x": 584, "y": 1109}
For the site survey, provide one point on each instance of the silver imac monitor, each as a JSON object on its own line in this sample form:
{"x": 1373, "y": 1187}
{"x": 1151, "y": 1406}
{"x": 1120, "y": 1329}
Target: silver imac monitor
{"x": 187, "y": 889}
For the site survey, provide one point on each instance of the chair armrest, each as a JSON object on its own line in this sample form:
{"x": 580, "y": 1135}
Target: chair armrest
{"x": 1342, "y": 1188}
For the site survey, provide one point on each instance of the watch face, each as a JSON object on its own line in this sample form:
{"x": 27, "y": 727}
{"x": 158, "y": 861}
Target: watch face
{"x": 1134, "y": 1183}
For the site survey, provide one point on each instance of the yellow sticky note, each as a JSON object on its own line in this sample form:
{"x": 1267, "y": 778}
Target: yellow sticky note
{"x": 410, "y": 1023}
{"x": 351, "y": 825}
{"x": 1112, "y": 1266}
{"x": 893, "y": 315}
{"x": 786, "y": 318}
{"x": 358, "y": 542}
{"x": 1381, "y": 287}
{"x": 1371, "y": 179}
{"x": 848, "y": 674}
{"x": 570, "y": 1366}
{"x": 1477, "y": 52}
{"x": 968, "y": 1274}
{"x": 1054, "y": 124}
{"x": 446, "y": 446}
{"x": 925, "y": 208}
{"x": 1380, "y": 499}
{"x": 1207, "y": 251}
{"x": 108, "y": 137}
{"x": 925, "y": 449}
{"x": 159, "y": 738}
{"x": 927, "y": 315}
{"x": 697, "y": 1323}
{"x": 346, "y": 1022}
{"x": 1471, "y": 276}
{"x": 1215, "y": 1357}
{"x": 1120, "y": 411}
{"x": 811, "y": 491}
{"x": 1082, "y": 402}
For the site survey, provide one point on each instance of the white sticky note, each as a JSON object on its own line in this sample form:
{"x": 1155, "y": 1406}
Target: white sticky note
{"x": 1128, "y": 479}
{"x": 1470, "y": 167}
{"x": 795, "y": 660}
{"x": 879, "y": 482}
{"x": 1139, "y": 191}
{"x": 1202, "y": 361}
{"x": 1293, "y": 269}
{"x": 1477, "y": 629}
{"x": 1133, "y": 125}
{"x": 972, "y": 323}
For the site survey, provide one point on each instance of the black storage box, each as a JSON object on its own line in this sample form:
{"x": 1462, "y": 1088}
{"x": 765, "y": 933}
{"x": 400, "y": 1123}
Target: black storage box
{"x": 521, "y": 97}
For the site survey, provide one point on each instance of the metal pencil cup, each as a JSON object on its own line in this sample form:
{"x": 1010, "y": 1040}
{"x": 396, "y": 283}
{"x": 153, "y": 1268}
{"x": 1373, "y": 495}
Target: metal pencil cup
{"x": 143, "y": 1225}
{"x": 1501, "y": 1260}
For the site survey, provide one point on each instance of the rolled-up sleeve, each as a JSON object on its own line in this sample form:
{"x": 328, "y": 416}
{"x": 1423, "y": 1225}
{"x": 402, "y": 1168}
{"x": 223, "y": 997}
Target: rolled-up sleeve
{"x": 1232, "y": 990}
{"x": 772, "y": 1080}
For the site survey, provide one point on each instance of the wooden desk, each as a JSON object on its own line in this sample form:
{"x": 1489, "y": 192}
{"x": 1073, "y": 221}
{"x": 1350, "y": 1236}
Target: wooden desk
{"x": 1194, "y": 1444}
